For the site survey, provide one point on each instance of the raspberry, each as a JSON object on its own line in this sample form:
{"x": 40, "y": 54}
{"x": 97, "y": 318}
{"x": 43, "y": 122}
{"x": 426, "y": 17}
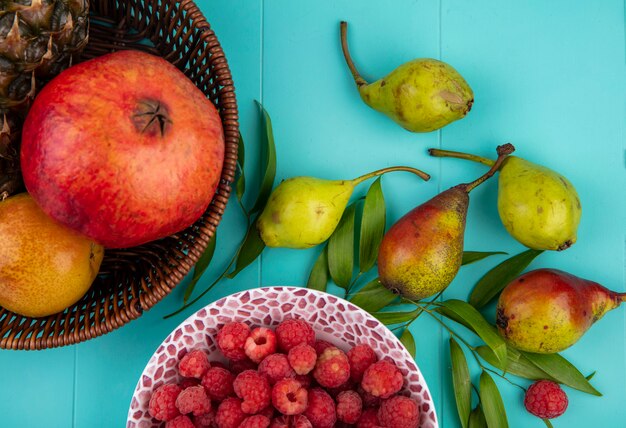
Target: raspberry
{"x": 193, "y": 400}
{"x": 231, "y": 340}
{"x": 368, "y": 399}
{"x": 289, "y": 397}
{"x": 229, "y": 414}
{"x": 276, "y": 367}
{"x": 242, "y": 365}
{"x": 302, "y": 358}
{"x": 218, "y": 383}
{"x": 545, "y": 399}
{"x": 382, "y": 379}
{"x": 194, "y": 364}
{"x": 187, "y": 382}
{"x": 360, "y": 358}
{"x": 204, "y": 421}
{"x": 332, "y": 368}
{"x": 349, "y": 406}
{"x": 296, "y": 421}
{"x": 321, "y": 409}
{"x": 254, "y": 389}
{"x": 163, "y": 402}
{"x": 368, "y": 419}
{"x": 321, "y": 345}
{"x": 399, "y": 412}
{"x": 256, "y": 421}
{"x": 260, "y": 344}
{"x": 293, "y": 332}
{"x": 181, "y": 421}
{"x": 305, "y": 380}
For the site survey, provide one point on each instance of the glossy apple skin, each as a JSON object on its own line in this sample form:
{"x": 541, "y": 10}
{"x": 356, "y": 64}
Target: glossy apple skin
{"x": 93, "y": 161}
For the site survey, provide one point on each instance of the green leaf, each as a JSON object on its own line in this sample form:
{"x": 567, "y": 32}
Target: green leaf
{"x": 494, "y": 281}
{"x": 461, "y": 382}
{"x": 548, "y": 423}
{"x": 517, "y": 364}
{"x": 562, "y": 370}
{"x": 408, "y": 341}
{"x": 470, "y": 257}
{"x": 372, "y": 226}
{"x": 373, "y": 296}
{"x": 252, "y": 246}
{"x": 480, "y": 326}
{"x": 240, "y": 184}
{"x": 318, "y": 279}
{"x": 477, "y": 418}
{"x": 341, "y": 249}
{"x": 389, "y": 318}
{"x": 491, "y": 402}
{"x": 270, "y": 164}
{"x": 591, "y": 376}
{"x": 201, "y": 266}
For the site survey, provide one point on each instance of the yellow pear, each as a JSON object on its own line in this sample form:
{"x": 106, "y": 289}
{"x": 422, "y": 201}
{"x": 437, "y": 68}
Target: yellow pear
{"x": 44, "y": 266}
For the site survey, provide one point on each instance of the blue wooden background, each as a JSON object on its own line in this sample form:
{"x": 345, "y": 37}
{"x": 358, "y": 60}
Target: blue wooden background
{"x": 549, "y": 77}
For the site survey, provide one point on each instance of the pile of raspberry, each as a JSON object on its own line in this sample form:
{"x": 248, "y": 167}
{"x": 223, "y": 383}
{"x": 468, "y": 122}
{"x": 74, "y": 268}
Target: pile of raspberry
{"x": 284, "y": 379}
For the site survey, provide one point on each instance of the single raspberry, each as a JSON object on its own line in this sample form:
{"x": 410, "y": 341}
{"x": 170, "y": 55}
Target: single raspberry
{"x": 181, "y": 421}
{"x": 194, "y": 364}
{"x": 382, "y": 379}
{"x": 218, "y": 383}
{"x": 162, "y": 404}
{"x": 321, "y": 345}
{"x": 305, "y": 380}
{"x": 289, "y": 397}
{"x": 242, "y": 365}
{"x": 545, "y": 399}
{"x": 368, "y": 399}
{"x": 231, "y": 340}
{"x": 295, "y": 421}
{"x": 229, "y": 414}
{"x": 332, "y": 368}
{"x": 293, "y": 332}
{"x": 254, "y": 389}
{"x": 193, "y": 400}
{"x": 276, "y": 367}
{"x": 399, "y": 412}
{"x": 260, "y": 344}
{"x": 349, "y": 407}
{"x": 321, "y": 410}
{"x": 368, "y": 419}
{"x": 302, "y": 358}
{"x": 360, "y": 358}
{"x": 188, "y": 381}
{"x": 256, "y": 421}
{"x": 204, "y": 421}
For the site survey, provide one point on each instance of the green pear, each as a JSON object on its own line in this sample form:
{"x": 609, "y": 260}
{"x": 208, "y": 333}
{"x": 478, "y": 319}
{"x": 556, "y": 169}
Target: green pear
{"x": 538, "y": 207}
{"x": 421, "y": 95}
{"x": 303, "y": 212}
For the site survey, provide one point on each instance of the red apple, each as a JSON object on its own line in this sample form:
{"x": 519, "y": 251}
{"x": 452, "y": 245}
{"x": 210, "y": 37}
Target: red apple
{"x": 122, "y": 148}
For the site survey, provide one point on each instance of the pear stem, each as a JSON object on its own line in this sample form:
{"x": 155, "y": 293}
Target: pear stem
{"x": 376, "y": 173}
{"x": 621, "y": 297}
{"x": 346, "y": 54}
{"x": 438, "y": 153}
{"x": 503, "y": 152}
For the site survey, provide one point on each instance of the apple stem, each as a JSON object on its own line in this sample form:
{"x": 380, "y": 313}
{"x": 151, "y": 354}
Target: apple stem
{"x": 459, "y": 155}
{"x": 503, "y": 152}
{"x": 376, "y": 173}
{"x": 346, "y": 54}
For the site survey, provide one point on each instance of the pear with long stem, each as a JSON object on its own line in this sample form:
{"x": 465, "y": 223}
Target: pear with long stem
{"x": 422, "y": 252}
{"x": 303, "y": 212}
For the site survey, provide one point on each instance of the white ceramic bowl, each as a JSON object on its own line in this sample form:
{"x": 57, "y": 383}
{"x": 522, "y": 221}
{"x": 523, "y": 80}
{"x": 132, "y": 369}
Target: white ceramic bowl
{"x": 333, "y": 319}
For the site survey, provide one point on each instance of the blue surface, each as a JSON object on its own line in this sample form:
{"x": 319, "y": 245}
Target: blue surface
{"x": 549, "y": 77}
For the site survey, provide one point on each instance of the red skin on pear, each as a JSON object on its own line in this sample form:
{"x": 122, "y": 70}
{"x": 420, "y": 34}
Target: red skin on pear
{"x": 122, "y": 148}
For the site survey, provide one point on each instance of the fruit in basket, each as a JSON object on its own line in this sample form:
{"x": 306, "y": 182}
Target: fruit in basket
{"x": 303, "y": 212}
{"x": 44, "y": 266}
{"x": 421, "y": 95}
{"x": 538, "y": 206}
{"x": 422, "y": 252}
{"x": 123, "y": 148}
{"x": 547, "y": 310}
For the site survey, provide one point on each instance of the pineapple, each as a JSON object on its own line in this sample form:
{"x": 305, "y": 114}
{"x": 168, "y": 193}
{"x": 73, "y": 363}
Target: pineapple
{"x": 38, "y": 39}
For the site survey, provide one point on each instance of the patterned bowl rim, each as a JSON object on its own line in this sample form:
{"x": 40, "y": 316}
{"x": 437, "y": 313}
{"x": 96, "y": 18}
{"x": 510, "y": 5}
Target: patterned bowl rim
{"x": 279, "y": 288}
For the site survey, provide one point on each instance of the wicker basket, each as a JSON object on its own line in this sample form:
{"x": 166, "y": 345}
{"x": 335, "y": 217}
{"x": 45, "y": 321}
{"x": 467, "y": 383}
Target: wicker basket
{"x": 133, "y": 280}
